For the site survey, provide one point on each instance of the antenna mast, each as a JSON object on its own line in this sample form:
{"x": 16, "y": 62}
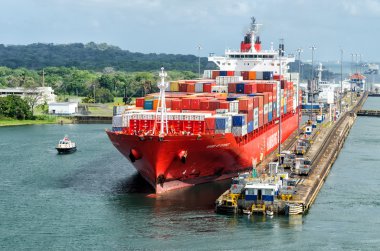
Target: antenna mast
{"x": 161, "y": 114}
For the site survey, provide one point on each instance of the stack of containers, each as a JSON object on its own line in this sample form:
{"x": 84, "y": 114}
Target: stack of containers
{"x": 234, "y": 106}
{"x": 265, "y": 100}
{"x": 239, "y": 125}
{"x": 246, "y": 107}
{"x": 223, "y": 124}
{"x": 256, "y": 112}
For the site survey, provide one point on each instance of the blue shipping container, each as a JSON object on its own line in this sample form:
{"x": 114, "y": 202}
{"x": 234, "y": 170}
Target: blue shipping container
{"x": 238, "y": 120}
{"x": 267, "y": 75}
{"x": 270, "y": 116}
{"x": 252, "y": 95}
{"x": 285, "y": 109}
{"x": 250, "y": 127}
{"x": 231, "y": 98}
{"x": 148, "y": 104}
{"x": 240, "y": 88}
{"x": 221, "y": 123}
{"x": 223, "y": 73}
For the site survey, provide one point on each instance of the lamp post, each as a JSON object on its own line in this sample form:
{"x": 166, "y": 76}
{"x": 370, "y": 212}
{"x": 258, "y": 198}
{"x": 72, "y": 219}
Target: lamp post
{"x": 341, "y": 81}
{"x": 313, "y": 48}
{"x": 199, "y": 60}
{"x": 280, "y": 53}
{"x": 94, "y": 94}
{"x": 299, "y": 50}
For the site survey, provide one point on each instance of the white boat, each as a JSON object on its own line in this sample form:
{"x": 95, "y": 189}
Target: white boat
{"x": 65, "y": 145}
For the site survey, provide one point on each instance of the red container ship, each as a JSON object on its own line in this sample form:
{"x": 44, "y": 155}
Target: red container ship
{"x": 197, "y": 131}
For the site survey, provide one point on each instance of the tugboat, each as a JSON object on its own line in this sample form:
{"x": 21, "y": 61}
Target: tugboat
{"x": 65, "y": 145}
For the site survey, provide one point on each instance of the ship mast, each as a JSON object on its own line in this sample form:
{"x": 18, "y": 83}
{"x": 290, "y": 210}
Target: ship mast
{"x": 161, "y": 114}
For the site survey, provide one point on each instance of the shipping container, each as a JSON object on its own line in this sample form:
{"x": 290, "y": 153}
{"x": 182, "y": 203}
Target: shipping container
{"x": 250, "y": 88}
{"x": 186, "y": 104}
{"x": 214, "y": 104}
{"x": 259, "y": 75}
{"x": 234, "y": 106}
{"x": 195, "y": 103}
{"x": 224, "y": 105}
{"x": 245, "y": 75}
{"x": 215, "y": 74}
{"x": 198, "y": 87}
{"x": 155, "y": 104}
{"x": 239, "y": 120}
{"x": 222, "y": 73}
{"x": 221, "y": 123}
{"x": 207, "y": 87}
{"x": 250, "y": 126}
{"x": 140, "y": 102}
{"x": 252, "y": 75}
{"x": 204, "y": 105}
{"x": 148, "y": 104}
{"x": 231, "y": 87}
{"x": 246, "y": 104}
{"x": 230, "y": 73}
{"x": 210, "y": 125}
{"x": 239, "y": 131}
{"x": 176, "y": 104}
{"x": 240, "y": 88}
{"x": 267, "y": 75}
{"x": 174, "y": 87}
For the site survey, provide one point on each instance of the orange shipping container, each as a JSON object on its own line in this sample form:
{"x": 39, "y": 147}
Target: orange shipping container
{"x": 252, "y": 75}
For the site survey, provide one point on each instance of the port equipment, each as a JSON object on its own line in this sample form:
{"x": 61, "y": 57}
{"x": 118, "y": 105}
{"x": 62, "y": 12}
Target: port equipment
{"x": 302, "y": 166}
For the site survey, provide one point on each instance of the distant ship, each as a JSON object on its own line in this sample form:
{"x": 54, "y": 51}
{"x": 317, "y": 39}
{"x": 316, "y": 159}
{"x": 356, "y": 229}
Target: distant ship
{"x": 197, "y": 131}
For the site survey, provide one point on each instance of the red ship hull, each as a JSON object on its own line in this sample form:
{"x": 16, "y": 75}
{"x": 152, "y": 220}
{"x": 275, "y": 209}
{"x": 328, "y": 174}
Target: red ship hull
{"x": 179, "y": 161}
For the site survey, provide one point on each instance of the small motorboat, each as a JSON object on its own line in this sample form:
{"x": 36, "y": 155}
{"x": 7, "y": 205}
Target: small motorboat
{"x": 65, "y": 145}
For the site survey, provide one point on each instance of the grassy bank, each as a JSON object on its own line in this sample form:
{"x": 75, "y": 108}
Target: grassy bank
{"x": 38, "y": 121}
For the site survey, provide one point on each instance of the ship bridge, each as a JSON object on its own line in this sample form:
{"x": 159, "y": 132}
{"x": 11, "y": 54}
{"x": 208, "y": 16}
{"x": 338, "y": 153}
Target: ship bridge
{"x": 266, "y": 60}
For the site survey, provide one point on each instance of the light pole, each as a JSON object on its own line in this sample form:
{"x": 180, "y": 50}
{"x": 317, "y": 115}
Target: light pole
{"x": 299, "y": 50}
{"x": 341, "y": 81}
{"x": 199, "y": 60}
{"x": 313, "y": 48}
{"x": 94, "y": 94}
{"x": 280, "y": 53}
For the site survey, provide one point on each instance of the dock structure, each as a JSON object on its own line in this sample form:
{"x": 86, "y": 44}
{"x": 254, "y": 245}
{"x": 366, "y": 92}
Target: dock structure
{"x": 323, "y": 154}
{"x": 369, "y": 113}
{"x": 328, "y": 139}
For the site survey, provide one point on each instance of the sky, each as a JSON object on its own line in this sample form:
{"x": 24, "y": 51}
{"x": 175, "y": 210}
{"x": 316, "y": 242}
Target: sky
{"x": 178, "y": 26}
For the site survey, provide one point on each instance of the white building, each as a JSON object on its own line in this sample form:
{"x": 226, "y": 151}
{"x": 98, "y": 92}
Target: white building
{"x": 64, "y": 108}
{"x": 43, "y": 93}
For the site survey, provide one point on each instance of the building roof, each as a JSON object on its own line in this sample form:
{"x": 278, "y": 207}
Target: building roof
{"x": 63, "y": 103}
{"x": 357, "y": 76}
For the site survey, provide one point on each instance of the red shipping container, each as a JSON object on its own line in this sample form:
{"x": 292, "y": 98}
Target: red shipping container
{"x": 195, "y": 103}
{"x": 246, "y": 104}
{"x": 270, "y": 97}
{"x": 255, "y": 102}
{"x": 230, "y": 73}
{"x": 249, "y": 115}
{"x": 182, "y": 87}
{"x": 215, "y": 74}
{"x": 168, "y": 103}
{"x": 284, "y": 84}
{"x": 204, "y": 105}
{"x": 276, "y": 77}
{"x": 245, "y": 75}
{"x": 261, "y": 110}
{"x": 250, "y": 88}
{"x": 207, "y": 87}
{"x": 231, "y": 87}
{"x": 186, "y": 104}
{"x": 224, "y": 105}
{"x": 176, "y": 104}
{"x": 210, "y": 125}
{"x": 213, "y": 105}
{"x": 140, "y": 102}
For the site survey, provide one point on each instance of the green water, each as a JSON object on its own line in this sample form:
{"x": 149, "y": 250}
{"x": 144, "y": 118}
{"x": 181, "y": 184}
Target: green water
{"x": 93, "y": 199}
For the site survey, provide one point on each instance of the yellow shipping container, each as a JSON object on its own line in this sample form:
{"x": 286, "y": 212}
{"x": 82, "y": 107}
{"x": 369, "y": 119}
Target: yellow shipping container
{"x": 174, "y": 87}
{"x": 252, "y": 75}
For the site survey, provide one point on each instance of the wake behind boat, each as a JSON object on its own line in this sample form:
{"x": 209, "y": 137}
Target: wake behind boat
{"x": 65, "y": 145}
